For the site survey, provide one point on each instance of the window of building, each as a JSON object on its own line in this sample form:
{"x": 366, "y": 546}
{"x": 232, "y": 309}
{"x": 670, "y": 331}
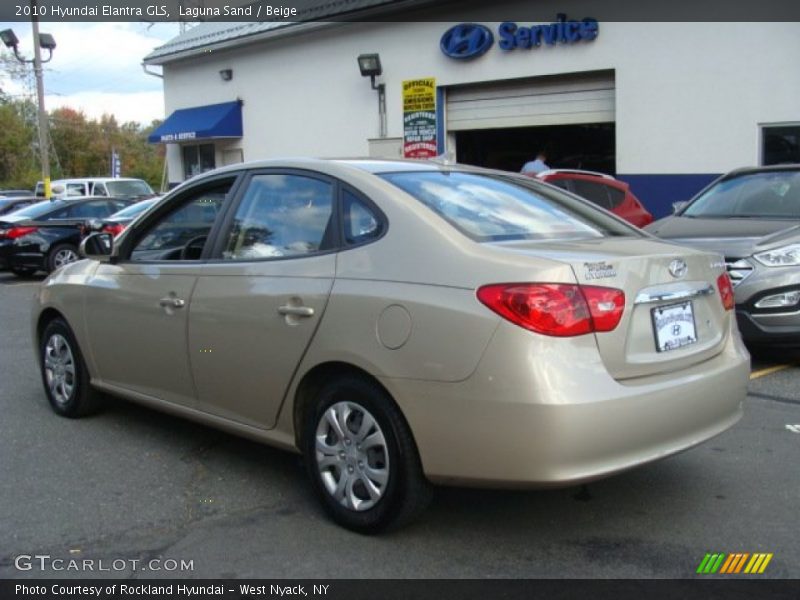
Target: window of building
{"x": 780, "y": 144}
{"x": 197, "y": 159}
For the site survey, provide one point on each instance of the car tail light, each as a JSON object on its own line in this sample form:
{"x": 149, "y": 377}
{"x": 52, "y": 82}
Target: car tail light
{"x": 114, "y": 228}
{"x": 725, "y": 291}
{"x": 605, "y": 305}
{"x": 17, "y": 232}
{"x": 556, "y": 309}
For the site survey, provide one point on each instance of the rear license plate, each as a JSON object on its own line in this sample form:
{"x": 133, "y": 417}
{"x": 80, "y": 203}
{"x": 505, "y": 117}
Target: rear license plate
{"x": 674, "y": 326}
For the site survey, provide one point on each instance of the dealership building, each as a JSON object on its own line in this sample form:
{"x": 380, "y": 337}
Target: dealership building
{"x": 665, "y": 106}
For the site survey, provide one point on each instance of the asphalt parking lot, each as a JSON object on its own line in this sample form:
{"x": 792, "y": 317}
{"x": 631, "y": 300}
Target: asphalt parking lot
{"x": 131, "y": 485}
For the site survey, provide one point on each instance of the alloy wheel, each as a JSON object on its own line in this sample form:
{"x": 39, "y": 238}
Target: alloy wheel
{"x": 59, "y": 366}
{"x": 64, "y": 257}
{"x": 352, "y": 456}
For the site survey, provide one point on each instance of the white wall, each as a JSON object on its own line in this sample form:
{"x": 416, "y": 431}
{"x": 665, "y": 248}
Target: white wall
{"x": 690, "y": 96}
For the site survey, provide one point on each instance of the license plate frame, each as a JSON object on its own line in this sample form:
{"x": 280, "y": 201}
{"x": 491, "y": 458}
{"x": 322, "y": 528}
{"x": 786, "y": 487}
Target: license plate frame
{"x": 674, "y": 326}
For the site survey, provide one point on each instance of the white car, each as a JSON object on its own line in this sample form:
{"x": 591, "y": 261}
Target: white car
{"x": 118, "y": 187}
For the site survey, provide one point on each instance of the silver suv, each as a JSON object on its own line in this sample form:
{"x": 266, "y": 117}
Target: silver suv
{"x": 752, "y": 217}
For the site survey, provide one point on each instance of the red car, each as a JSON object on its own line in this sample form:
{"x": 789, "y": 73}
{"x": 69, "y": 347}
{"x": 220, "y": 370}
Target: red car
{"x": 604, "y": 190}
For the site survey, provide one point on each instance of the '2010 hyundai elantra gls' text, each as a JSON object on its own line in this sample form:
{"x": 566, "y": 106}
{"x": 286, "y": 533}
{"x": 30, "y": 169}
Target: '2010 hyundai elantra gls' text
{"x": 400, "y": 323}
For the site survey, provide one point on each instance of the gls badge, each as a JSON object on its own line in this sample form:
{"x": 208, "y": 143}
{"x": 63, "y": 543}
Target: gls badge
{"x": 467, "y": 40}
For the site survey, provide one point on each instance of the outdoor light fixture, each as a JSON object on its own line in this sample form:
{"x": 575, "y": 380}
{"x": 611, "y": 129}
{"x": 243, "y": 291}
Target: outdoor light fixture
{"x": 9, "y": 38}
{"x": 226, "y": 74}
{"x": 48, "y": 42}
{"x": 370, "y": 66}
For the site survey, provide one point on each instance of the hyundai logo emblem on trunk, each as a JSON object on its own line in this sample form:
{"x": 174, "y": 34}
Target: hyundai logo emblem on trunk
{"x": 467, "y": 40}
{"x": 678, "y": 268}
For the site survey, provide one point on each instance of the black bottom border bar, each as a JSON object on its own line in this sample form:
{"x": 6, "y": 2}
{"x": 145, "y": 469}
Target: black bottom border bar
{"x": 401, "y": 589}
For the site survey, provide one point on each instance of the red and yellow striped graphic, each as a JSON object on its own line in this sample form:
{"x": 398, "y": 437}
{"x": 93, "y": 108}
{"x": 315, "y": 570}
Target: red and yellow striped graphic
{"x": 734, "y": 563}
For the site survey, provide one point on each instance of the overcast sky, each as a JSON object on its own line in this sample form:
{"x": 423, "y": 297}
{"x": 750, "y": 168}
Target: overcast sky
{"x": 96, "y": 68}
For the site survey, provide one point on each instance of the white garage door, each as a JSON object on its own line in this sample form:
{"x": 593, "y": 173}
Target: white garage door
{"x": 552, "y": 100}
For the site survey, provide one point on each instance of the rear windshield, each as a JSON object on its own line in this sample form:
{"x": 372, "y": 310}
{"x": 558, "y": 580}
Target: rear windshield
{"x": 40, "y": 208}
{"x": 489, "y": 208}
{"x": 771, "y": 195}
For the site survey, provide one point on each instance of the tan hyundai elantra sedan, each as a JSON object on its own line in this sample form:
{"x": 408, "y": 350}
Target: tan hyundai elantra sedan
{"x": 400, "y": 323}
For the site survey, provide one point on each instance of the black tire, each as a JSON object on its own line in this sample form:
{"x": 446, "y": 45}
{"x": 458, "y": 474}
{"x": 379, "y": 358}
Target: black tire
{"x": 57, "y": 251}
{"x": 76, "y": 398}
{"x": 23, "y": 271}
{"x": 406, "y": 492}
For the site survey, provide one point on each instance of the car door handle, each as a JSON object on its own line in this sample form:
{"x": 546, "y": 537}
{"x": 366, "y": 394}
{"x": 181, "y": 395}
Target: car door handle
{"x": 172, "y": 302}
{"x": 297, "y": 311}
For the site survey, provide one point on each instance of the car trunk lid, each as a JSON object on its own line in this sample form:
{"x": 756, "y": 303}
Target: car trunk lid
{"x": 673, "y": 314}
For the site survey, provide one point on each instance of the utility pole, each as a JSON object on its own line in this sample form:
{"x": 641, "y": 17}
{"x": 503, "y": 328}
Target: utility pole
{"x": 46, "y": 41}
{"x": 44, "y": 132}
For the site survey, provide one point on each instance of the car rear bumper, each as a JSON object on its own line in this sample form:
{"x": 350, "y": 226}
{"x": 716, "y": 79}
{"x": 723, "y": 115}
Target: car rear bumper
{"x": 12, "y": 257}
{"x": 27, "y": 260}
{"x": 5, "y": 252}
{"x": 569, "y": 421}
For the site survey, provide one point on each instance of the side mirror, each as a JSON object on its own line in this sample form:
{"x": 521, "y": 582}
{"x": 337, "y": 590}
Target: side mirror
{"x": 98, "y": 246}
{"x": 678, "y": 206}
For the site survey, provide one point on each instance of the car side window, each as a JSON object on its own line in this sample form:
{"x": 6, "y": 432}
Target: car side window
{"x": 59, "y": 214}
{"x": 76, "y": 189}
{"x": 182, "y": 233}
{"x": 594, "y": 192}
{"x": 361, "y": 224}
{"x": 281, "y": 215}
{"x": 99, "y": 189}
{"x": 89, "y": 210}
{"x": 562, "y": 183}
{"x": 615, "y": 196}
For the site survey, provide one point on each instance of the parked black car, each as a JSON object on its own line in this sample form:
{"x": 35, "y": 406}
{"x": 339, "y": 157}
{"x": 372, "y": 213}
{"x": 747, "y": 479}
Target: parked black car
{"x": 15, "y": 193}
{"x": 116, "y": 223}
{"x": 46, "y": 235}
{"x": 13, "y": 203}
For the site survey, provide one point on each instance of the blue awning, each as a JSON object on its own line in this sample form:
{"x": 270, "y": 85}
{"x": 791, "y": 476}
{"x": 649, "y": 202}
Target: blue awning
{"x": 201, "y": 122}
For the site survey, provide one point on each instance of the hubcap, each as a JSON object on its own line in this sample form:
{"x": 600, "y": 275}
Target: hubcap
{"x": 64, "y": 257}
{"x": 352, "y": 457}
{"x": 59, "y": 368}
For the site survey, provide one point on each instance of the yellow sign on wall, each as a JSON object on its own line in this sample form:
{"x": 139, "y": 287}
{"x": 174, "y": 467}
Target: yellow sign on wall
{"x": 419, "y": 118}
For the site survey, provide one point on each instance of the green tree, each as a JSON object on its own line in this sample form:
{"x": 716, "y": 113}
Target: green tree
{"x": 18, "y": 169}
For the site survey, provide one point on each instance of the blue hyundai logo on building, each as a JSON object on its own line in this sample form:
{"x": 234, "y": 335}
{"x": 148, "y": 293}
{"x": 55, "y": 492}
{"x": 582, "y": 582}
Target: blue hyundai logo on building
{"x": 467, "y": 40}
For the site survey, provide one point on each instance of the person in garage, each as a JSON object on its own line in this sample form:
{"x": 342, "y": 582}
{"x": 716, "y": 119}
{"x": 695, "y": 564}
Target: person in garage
{"x": 532, "y": 167}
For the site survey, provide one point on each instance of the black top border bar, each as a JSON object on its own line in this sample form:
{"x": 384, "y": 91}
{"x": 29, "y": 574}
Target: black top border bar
{"x": 195, "y": 11}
